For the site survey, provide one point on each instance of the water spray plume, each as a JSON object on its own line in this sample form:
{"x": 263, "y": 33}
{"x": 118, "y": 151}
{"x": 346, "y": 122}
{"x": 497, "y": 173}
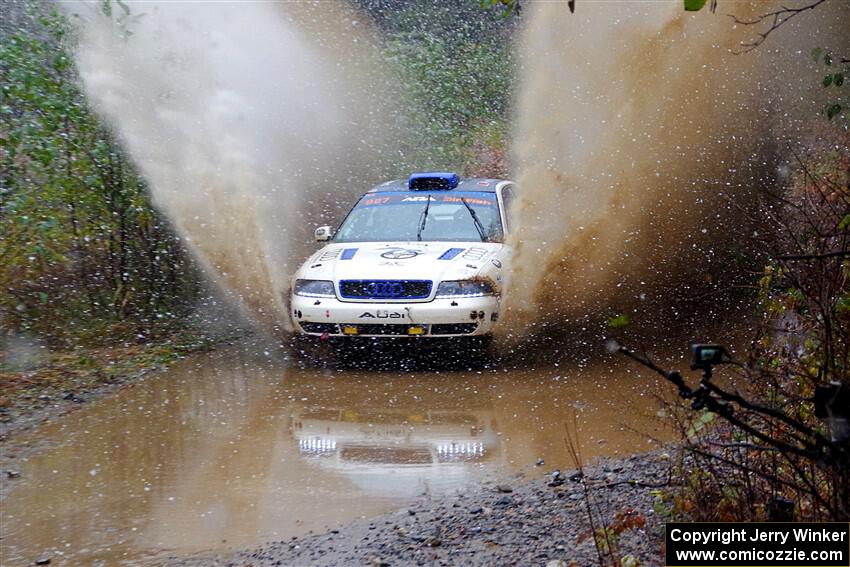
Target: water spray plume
{"x": 246, "y": 120}
{"x": 637, "y": 126}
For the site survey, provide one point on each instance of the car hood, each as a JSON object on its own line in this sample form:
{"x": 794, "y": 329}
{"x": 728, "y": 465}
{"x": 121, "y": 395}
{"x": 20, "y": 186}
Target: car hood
{"x": 436, "y": 261}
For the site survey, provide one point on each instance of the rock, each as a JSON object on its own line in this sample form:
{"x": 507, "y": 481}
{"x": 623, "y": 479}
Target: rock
{"x": 576, "y": 496}
{"x": 556, "y": 563}
{"x": 504, "y": 501}
{"x": 380, "y": 563}
{"x": 504, "y": 488}
{"x": 13, "y": 474}
{"x": 43, "y": 560}
{"x": 411, "y": 512}
{"x": 476, "y": 510}
{"x": 434, "y": 542}
{"x": 577, "y": 476}
{"x": 557, "y": 478}
{"x": 539, "y": 463}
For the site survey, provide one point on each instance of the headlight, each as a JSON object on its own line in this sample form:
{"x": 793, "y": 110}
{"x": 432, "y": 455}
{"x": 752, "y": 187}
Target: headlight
{"x": 314, "y": 288}
{"x": 464, "y": 288}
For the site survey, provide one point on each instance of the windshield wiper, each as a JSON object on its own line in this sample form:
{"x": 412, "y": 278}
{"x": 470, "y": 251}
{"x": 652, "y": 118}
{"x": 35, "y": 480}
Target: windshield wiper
{"x": 424, "y": 219}
{"x": 478, "y": 226}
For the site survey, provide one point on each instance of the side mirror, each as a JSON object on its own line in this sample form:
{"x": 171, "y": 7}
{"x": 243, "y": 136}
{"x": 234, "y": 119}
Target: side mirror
{"x": 324, "y": 233}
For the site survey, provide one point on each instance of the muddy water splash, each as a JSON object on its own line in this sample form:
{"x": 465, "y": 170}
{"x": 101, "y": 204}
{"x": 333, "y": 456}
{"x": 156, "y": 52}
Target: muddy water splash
{"x": 243, "y": 118}
{"x": 636, "y": 123}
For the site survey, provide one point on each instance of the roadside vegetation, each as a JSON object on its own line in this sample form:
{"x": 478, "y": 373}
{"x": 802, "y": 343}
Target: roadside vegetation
{"x": 457, "y": 68}
{"x": 783, "y": 450}
{"x": 86, "y": 258}
{"x": 95, "y": 286}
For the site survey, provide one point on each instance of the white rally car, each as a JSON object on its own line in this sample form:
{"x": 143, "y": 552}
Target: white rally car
{"x": 419, "y": 257}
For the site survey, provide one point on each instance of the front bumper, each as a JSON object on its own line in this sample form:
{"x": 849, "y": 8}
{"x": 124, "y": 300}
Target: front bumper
{"x": 454, "y": 317}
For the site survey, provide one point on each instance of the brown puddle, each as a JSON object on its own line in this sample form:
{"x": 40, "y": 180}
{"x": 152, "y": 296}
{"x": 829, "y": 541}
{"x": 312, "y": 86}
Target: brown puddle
{"x": 231, "y": 449}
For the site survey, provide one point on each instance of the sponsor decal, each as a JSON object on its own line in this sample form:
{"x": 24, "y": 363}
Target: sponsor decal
{"x": 469, "y": 200}
{"x": 329, "y": 255}
{"x": 375, "y": 201}
{"x": 496, "y": 262}
{"x": 348, "y": 253}
{"x": 382, "y": 314}
{"x": 400, "y": 254}
{"x": 475, "y": 253}
{"x": 450, "y": 253}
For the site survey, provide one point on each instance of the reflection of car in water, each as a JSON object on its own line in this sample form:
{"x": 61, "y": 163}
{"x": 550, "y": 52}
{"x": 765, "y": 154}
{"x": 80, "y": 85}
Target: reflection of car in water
{"x": 421, "y": 257}
{"x": 397, "y": 437}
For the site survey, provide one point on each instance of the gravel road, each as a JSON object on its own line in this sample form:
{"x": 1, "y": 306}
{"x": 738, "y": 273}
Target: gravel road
{"x": 539, "y": 518}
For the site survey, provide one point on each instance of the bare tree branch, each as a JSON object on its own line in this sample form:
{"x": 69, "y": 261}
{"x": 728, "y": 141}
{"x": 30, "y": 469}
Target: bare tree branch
{"x": 777, "y": 19}
{"x": 836, "y": 254}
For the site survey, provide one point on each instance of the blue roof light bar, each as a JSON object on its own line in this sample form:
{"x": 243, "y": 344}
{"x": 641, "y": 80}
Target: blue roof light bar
{"x": 433, "y": 181}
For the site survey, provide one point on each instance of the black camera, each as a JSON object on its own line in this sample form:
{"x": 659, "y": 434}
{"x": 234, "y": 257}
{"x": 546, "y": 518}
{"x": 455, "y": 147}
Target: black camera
{"x": 706, "y": 356}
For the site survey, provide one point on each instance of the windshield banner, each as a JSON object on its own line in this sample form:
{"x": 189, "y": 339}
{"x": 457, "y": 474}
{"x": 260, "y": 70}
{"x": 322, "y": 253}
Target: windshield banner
{"x": 376, "y": 199}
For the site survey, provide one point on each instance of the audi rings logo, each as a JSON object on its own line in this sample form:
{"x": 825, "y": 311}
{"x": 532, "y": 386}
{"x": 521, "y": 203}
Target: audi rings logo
{"x": 400, "y": 254}
{"x": 385, "y": 289}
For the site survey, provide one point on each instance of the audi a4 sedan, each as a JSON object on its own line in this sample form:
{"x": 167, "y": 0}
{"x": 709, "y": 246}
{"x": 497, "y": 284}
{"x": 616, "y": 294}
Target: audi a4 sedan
{"x": 418, "y": 258}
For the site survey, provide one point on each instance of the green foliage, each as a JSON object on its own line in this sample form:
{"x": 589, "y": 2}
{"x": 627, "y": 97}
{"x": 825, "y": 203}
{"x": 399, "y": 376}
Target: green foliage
{"x": 694, "y": 5}
{"x": 705, "y": 418}
{"x": 619, "y": 321}
{"x": 458, "y": 75}
{"x": 508, "y": 6}
{"x": 834, "y": 79}
{"x": 80, "y": 244}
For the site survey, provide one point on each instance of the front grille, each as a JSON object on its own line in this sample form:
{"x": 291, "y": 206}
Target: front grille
{"x": 388, "y": 330}
{"x": 453, "y": 328}
{"x": 320, "y": 328}
{"x": 385, "y": 289}
{"x": 394, "y": 330}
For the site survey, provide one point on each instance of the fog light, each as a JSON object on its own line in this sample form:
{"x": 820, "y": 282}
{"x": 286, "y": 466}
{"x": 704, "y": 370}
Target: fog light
{"x": 349, "y": 330}
{"x": 416, "y": 330}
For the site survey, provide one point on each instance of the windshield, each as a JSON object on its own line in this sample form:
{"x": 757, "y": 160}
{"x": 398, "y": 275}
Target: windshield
{"x": 409, "y": 217}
